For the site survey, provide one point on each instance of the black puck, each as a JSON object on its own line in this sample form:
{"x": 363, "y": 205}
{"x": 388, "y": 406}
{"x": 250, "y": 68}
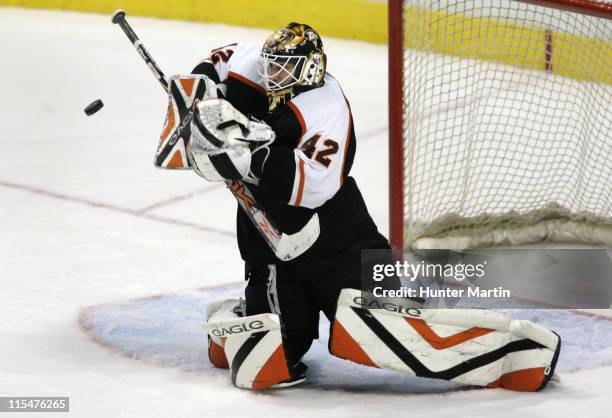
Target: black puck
{"x": 93, "y": 107}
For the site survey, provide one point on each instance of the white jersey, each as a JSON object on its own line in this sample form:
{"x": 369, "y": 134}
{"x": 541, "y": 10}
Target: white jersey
{"x": 238, "y": 61}
{"x": 320, "y": 157}
{"x": 307, "y": 168}
{"x": 323, "y": 141}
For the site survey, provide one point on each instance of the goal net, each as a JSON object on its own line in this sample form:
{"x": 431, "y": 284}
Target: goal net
{"x": 500, "y": 123}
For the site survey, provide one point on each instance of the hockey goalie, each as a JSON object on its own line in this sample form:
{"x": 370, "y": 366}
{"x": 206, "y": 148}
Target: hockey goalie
{"x": 274, "y": 120}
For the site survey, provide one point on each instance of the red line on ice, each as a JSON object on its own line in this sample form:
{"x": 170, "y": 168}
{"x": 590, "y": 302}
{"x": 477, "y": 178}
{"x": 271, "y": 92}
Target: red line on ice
{"x": 178, "y": 198}
{"x": 100, "y": 205}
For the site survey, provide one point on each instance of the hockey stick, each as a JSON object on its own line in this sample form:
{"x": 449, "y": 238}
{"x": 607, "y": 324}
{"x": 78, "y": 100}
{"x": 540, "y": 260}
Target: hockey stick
{"x": 119, "y": 19}
{"x": 284, "y": 246}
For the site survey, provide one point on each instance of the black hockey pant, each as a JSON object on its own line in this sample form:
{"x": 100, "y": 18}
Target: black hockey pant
{"x": 297, "y": 294}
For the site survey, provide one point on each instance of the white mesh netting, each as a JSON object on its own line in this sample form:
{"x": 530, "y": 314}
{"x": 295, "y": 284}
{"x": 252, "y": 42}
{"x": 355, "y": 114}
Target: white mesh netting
{"x": 507, "y": 121}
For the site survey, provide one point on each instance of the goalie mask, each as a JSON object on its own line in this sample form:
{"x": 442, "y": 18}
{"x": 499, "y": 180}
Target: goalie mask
{"x": 291, "y": 61}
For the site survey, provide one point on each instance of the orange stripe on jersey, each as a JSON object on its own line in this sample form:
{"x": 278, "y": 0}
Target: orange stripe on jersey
{"x": 346, "y": 145}
{"x": 298, "y": 198}
{"x": 348, "y": 134}
{"x": 299, "y": 117}
{"x": 247, "y": 81}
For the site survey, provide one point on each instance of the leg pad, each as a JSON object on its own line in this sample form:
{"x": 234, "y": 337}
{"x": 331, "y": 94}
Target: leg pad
{"x": 251, "y": 346}
{"x": 471, "y": 346}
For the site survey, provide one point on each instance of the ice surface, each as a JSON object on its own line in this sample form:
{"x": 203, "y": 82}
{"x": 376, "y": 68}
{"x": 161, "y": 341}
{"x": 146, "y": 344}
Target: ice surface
{"x": 86, "y": 219}
{"x": 164, "y": 329}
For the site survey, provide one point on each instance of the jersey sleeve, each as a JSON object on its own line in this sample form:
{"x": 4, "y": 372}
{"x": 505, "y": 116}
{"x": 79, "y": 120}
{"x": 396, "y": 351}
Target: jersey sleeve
{"x": 321, "y": 157}
{"x": 235, "y": 66}
{"x": 238, "y": 60}
{"x": 217, "y": 65}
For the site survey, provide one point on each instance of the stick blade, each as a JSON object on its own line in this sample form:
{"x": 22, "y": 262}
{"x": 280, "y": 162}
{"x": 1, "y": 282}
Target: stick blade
{"x": 291, "y": 246}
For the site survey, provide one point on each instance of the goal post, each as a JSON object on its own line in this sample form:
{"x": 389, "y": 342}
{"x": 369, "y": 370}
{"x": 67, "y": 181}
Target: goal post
{"x": 500, "y": 122}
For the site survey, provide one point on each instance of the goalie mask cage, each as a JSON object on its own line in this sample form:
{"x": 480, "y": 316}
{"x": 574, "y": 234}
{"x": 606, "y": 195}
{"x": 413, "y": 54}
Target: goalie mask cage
{"x": 500, "y": 122}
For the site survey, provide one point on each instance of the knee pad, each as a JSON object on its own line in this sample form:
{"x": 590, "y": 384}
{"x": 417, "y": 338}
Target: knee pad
{"x": 251, "y": 346}
{"x": 469, "y": 346}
